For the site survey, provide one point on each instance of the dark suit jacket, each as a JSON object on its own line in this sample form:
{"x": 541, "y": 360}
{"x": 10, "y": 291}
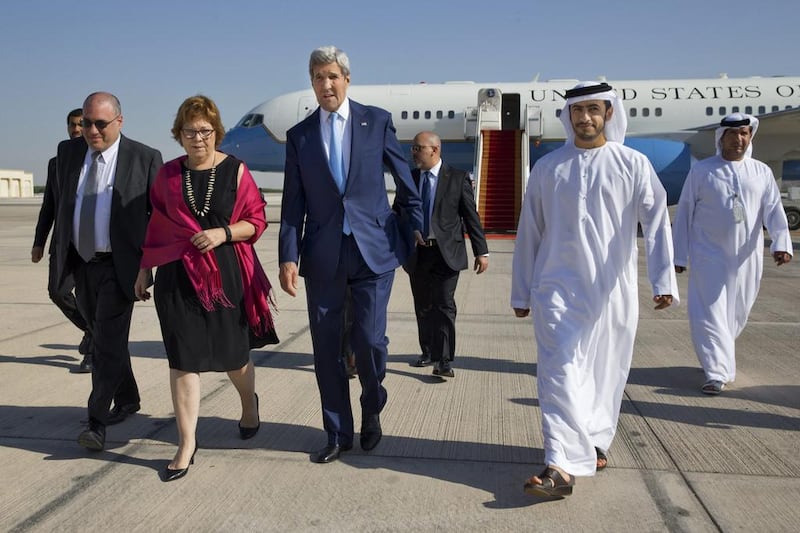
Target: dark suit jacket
{"x": 454, "y": 203}
{"x": 137, "y": 166}
{"x": 312, "y": 209}
{"x": 47, "y": 212}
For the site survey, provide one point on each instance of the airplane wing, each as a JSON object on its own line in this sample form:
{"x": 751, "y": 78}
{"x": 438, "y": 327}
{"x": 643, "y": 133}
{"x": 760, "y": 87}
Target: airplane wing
{"x": 777, "y": 139}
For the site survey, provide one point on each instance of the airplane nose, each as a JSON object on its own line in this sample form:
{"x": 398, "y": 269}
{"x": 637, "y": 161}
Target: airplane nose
{"x": 255, "y": 147}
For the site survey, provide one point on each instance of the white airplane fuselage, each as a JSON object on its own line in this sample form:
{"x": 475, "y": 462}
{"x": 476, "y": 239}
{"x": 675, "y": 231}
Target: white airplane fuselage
{"x": 682, "y": 111}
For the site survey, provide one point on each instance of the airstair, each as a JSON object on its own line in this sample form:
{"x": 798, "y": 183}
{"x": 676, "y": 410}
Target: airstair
{"x": 502, "y": 131}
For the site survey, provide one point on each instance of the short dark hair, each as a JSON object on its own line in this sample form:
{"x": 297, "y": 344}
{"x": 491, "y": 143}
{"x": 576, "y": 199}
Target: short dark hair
{"x": 77, "y": 112}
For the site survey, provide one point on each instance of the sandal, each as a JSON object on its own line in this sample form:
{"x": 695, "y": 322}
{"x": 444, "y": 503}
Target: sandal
{"x": 553, "y": 484}
{"x": 712, "y": 387}
{"x": 602, "y": 460}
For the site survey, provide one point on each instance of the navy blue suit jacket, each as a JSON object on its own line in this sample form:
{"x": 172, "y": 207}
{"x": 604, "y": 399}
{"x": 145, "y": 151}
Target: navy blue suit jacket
{"x": 312, "y": 209}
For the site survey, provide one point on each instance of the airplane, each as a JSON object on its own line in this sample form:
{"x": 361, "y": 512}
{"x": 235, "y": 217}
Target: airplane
{"x": 498, "y": 130}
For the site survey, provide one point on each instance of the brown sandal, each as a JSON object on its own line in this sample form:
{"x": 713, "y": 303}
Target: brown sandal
{"x": 602, "y": 460}
{"x": 553, "y": 484}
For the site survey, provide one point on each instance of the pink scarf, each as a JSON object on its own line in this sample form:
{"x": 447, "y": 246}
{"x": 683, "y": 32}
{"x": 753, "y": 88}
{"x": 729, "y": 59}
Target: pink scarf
{"x": 168, "y": 237}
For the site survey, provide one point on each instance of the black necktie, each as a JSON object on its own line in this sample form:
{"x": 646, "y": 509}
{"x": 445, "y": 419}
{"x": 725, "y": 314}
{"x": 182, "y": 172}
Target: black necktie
{"x": 425, "y": 191}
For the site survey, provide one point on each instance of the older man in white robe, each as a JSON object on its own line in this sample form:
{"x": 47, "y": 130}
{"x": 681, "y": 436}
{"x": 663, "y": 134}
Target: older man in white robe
{"x": 575, "y": 266}
{"x": 725, "y": 202}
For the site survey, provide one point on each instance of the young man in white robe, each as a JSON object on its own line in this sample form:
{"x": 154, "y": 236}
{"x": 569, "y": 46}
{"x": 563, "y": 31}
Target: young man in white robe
{"x": 575, "y": 268}
{"x": 725, "y": 202}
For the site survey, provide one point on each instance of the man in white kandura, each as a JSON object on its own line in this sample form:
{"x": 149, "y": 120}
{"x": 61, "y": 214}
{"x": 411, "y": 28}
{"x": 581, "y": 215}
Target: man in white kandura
{"x": 575, "y": 266}
{"x": 725, "y": 202}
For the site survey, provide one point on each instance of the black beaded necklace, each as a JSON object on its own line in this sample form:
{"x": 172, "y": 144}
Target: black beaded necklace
{"x": 187, "y": 180}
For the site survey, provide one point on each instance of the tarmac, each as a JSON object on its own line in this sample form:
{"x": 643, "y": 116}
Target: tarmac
{"x": 455, "y": 452}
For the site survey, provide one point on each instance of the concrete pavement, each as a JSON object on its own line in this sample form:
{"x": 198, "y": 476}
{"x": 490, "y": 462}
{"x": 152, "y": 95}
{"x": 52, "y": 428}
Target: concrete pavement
{"x": 454, "y": 454}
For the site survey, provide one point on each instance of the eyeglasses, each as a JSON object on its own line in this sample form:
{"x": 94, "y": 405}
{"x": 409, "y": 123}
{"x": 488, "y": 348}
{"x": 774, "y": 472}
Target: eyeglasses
{"x": 419, "y": 147}
{"x": 191, "y": 134}
{"x": 101, "y": 124}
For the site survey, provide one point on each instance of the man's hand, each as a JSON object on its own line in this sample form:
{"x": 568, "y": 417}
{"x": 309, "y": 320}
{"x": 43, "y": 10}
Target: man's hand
{"x": 288, "y": 277}
{"x": 521, "y": 313}
{"x": 36, "y": 253}
{"x": 781, "y": 258}
{"x": 662, "y": 301}
{"x": 142, "y": 282}
{"x": 418, "y": 240}
{"x": 481, "y": 264}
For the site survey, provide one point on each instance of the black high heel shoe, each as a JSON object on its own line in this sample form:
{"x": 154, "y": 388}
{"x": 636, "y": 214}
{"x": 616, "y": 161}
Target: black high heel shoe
{"x": 171, "y": 475}
{"x": 249, "y": 433}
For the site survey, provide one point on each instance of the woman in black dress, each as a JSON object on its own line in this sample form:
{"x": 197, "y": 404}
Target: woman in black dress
{"x": 211, "y": 294}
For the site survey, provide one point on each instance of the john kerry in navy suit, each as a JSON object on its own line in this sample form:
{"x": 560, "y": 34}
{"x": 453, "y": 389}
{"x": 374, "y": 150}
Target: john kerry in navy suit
{"x": 336, "y": 222}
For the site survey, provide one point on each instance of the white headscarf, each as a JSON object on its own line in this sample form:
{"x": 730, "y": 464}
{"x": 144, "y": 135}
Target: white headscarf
{"x": 736, "y": 120}
{"x": 615, "y": 128}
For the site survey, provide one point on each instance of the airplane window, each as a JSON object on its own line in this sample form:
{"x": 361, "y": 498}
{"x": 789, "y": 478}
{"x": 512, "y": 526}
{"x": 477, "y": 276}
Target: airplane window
{"x": 735, "y": 109}
{"x": 775, "y": 108}
{"x": 788, "y": 107}
{"x": 709, "y": 111}
{"x": 558, "y": 113}
{"x": 762, "y": 109}
{"x": 404, "y": 115}
{"x": 658, "y": 111}
{"x": 451, "y": 114}
{"x": 427, "y": 114}
{"x": 439, "y": 114}
{"x": 646, "y": 112}
{"x": 722, "y": 110}
{"x": 748, "y": 109}
{"x": 251, "y": 120}
{"x": 416, "y": 115}
{"x": 633, "y": 112}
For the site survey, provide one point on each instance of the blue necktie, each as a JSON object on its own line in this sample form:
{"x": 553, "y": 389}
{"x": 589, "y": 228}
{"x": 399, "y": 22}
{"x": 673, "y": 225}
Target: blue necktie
{"x": 335, "y": 157}
{"x": 425, "y": 191}
{"x": 336, "y": 162}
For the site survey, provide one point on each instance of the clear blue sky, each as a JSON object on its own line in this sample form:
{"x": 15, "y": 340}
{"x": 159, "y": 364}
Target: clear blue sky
{"x": 153, "y": 54}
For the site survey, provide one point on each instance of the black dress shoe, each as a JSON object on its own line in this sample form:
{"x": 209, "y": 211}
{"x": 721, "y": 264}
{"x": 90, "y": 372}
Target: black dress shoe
{"x": 171, "y": 475}
{"x": 423, "y": 360}
{"x": 249, "y": 433}
{"x": 371, "y": 432}
{"x": 86, "y": 347}
{"x": 330, "y": 453}
{"x": 443, "y": 369}
{"x": 94, "y": 437}
{"x": 86, "y": 365}
{"x": 121, "y": 412}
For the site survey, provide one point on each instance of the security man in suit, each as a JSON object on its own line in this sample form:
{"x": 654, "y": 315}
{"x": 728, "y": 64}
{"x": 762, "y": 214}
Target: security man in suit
{"x": 61, "y": 293}
{"x": 447, "y": 201}
{"x": 102, "y": 218}
{"x": 337, "y": 222}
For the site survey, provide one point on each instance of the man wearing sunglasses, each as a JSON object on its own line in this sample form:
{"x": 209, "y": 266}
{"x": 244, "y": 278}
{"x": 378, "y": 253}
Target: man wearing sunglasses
{"x": 100, "y": 226}
{"x": 61, "y": 292}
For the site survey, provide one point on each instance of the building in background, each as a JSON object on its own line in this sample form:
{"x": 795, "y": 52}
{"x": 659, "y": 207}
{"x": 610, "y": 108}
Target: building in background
{"x": 16, "y": 184}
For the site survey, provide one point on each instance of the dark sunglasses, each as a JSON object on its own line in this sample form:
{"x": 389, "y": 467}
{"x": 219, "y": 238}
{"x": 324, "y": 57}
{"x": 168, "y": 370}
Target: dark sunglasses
{"x": 101, "y": 124}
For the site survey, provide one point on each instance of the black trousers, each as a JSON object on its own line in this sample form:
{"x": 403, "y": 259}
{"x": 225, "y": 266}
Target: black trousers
{"x": 61, "y": 294}
{"x": 433, "y": 285}
{"x": 108, "y": 312}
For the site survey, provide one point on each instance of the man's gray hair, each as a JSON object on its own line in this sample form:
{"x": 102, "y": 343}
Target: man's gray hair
{"x": 325, "y": 55}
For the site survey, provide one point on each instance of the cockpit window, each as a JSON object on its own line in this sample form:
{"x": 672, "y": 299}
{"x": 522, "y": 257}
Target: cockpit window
{"x": 251, "y": 120}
